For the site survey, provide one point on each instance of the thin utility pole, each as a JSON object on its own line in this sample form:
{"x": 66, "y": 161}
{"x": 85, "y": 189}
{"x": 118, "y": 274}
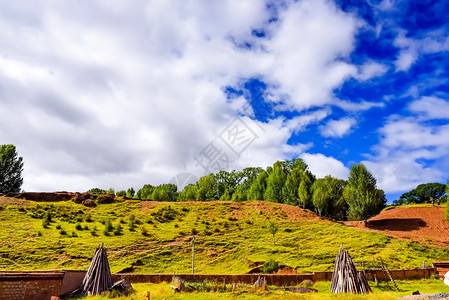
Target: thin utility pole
{"x": 193, "y": 254}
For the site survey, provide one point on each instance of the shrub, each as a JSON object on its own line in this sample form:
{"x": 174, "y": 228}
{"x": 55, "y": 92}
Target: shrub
{"x": 108, "y": 225}
{"x": 105, "y": 232}
{"x": 58, "y": 226}
{"x": 88, "y": 218}
{"x": 78, "y": 226}
{"x": 74, "y": 234}
{"x": 45, "y": 223}
{"x": 194, "y": 231}
{"x": 93, "y": 232}
{"x": 132, "y": 226}
{"x": 270, "y": 266}
{"x": 164, "y": 214}
{"x": 86, "y": 227}
{"x": 62, "y": 232}
{"x": 118, "y": 229}
{"x": 144, "y": 231}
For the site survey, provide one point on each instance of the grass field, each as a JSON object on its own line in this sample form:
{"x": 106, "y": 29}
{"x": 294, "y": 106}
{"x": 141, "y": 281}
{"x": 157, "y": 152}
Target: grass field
{"x": 232, "y": 238}
{"x": 163, "y": 291}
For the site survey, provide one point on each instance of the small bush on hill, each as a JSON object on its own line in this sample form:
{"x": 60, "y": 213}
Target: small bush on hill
{"x": 144, "y": 231}
{"x": 270, "y": 267}
{"x": 165, "y": 214}
{"x": 118, "y": 229}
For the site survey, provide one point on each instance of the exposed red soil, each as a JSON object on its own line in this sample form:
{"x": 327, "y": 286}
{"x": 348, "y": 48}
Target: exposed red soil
{"x": 422, "y": 224}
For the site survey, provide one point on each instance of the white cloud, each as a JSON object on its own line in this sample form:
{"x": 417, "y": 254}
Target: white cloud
{"x": 357, "y": 106}
{"x": 307, "y": 47}
{"x": 337, "y": 128}
{"x": 322, "y": 165}
{"x": 112, "y": 94}
{"x": 411, "y": 49}
{"x": 370, "y": 70}
{"x": 406, "y": 146}
{"x": 430, "y": 108}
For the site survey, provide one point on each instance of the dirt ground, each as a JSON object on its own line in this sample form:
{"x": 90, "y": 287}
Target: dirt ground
{"x": 423, "y": 224}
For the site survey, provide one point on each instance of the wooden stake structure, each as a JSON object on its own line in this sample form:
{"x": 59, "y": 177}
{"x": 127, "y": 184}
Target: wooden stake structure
{"x": 345, "y": 278}
{"x": 98, "y": 277}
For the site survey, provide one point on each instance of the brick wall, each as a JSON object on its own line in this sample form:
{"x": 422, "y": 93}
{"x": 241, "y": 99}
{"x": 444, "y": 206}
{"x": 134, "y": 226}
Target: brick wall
{"x": 30, "y": 285}
{"x": 43, "y": 285}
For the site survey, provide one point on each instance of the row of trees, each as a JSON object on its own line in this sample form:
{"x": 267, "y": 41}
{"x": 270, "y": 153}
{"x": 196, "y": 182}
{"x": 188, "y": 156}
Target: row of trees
{"x": 424, "y": 193}
{"x": 288, "y": 182}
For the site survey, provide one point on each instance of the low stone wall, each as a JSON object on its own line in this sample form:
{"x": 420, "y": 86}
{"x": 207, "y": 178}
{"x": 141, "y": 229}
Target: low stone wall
{"x": 30, "y": 285}
{"x": 43, "y": 285}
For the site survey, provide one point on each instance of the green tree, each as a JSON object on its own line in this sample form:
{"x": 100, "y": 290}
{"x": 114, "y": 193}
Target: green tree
{"x": 165, "y": 192}
{"x": 240, "y": 194}
{"x": 290, "y": 191}
{"x": 328, "y": 198}
{"x": 258, "y": 186}
{"x": 121, "y": 193}
{"x": 11, "y": 167}
{"x": 305, "y": 190}
{"x": 130, "y": 192}
{"x": 276, "y": 181}
{"x": 207, "y": 188}
{"x": 145, "y": 192}
{"x": 189, "y": 193}
{"x": 423, "y": 193}
{"x": 227, "y": 182}
{"x": 361, "y": 195}
{"x": 273, "y": 229}
{"x": 110, "y": 191}
{"x": 97, "y": 191}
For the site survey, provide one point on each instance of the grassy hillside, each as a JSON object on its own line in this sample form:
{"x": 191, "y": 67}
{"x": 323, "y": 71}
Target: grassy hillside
{"x": 231, "y": 237}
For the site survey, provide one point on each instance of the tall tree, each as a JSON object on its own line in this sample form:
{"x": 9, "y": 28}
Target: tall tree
{"x": 207, "y": 188}
{"x": 11, "y": 167}
{"x": 165, "y": 192}
{"x": 258, "y": 186}
{"x": 291, "y": 187}
{"x": 130, "y": 192}
{"x": 305, "y": 190}
{"x": 145, "y": 192}
{"x": 328, "y": 197}
{"x": 276, "y": 181}
{"x": 227, "y": 182}
{"x": 249, "y": 177}
{"x": 361, "y": 194}
{"x": 189, "y": 193}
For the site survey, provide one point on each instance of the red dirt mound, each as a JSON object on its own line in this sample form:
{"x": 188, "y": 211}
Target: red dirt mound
{"x": 421, "y": 224}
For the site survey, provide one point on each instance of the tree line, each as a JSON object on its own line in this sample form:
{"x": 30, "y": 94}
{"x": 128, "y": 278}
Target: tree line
{"x": 289, "y": 182}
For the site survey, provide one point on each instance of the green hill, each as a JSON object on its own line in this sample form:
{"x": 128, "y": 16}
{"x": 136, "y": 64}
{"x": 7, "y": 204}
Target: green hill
{"x": 155, "y": 237}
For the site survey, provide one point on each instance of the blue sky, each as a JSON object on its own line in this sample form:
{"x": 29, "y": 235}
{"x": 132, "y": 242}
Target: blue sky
{"x": 109, "y": 94}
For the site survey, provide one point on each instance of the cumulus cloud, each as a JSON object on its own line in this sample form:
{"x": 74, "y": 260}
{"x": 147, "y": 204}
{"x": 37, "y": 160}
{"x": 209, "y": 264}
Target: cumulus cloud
{"x": 430, "y": 108}
{"x": 337, "y": 128}
{"x": 322, "y": 165}
{"x": 307, "y": 45}
{"x": 106, "y": 93}
{"x": 406, "y": 146}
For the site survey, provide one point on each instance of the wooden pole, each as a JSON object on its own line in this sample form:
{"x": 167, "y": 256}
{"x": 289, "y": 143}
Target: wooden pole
{"x": 193, "y": 255}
